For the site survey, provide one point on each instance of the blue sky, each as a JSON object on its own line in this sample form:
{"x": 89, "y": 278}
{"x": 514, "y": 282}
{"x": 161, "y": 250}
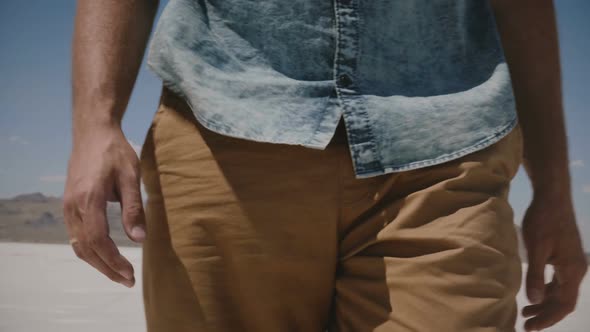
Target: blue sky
{"x": 35, "y": 100}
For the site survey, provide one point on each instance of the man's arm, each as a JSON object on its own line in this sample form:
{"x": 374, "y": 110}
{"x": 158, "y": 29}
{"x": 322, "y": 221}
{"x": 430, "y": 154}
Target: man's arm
{"x": 529, "y": 37}
{"x": 109, "y": 41}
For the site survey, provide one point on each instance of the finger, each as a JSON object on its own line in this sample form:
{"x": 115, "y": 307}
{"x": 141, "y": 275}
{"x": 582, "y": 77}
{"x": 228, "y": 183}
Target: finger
{"x": 552, "y": 313}
{"x": 84, "y": 252}
{"x": 566, "y": 284}
{"x": 561, "y": 298}
{"x": 532, "y": 310}
{"x": 73, "y": 225}
{"x": 104, "y": 247}
{"x": 88, "y": 255}
{"x": 550, "y": 293}
{"x": 70, "y": 213}
{"x": 535, "y": 278}
{"x": 133, "y": 216}
{"x": 96, "y": 232}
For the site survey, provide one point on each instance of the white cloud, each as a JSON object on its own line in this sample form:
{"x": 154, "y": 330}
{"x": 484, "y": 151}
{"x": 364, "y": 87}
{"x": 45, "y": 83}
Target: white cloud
{"x": 577, "y": 163}
{"x": 17, "y": 140}
{"x": 52, "y": 178}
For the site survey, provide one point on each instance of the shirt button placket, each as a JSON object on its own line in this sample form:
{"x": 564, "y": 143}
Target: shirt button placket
{"x": 345, "y": 62}
{"x": 362, "y": 142}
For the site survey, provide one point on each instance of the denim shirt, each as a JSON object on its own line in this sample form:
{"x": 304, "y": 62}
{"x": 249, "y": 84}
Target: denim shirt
{"x": 418, "y": 82}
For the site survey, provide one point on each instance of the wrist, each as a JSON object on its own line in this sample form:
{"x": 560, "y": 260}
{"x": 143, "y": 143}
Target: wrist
{"x": 86, "y": 122}
{"x": 552, "y": 193}
{"x": 94, "y": 127}
{"x": 549, "y": 182}
{"x": 102, "y": 111}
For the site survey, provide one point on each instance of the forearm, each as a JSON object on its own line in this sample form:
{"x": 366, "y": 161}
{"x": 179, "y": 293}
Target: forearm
{"x": 109, "y": 41}
{"x": 529, "y": 37}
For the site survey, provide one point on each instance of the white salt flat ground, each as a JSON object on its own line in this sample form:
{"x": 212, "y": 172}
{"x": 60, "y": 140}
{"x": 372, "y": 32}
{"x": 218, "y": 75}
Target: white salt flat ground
{"x": 44, "y": 287}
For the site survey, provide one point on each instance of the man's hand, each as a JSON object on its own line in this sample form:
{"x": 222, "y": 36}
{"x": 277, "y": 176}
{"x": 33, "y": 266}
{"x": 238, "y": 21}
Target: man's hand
{"x": 103, "y": 167}
{"x": 551, "y": 237}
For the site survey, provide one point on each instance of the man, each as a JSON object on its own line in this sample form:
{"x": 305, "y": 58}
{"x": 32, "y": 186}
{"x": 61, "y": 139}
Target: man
{"x": 327, "y": 165}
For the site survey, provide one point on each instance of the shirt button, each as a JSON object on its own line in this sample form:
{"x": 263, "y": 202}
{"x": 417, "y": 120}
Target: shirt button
{"x": 344, "y": 80}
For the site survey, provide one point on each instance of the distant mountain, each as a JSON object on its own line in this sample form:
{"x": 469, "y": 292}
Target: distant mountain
{"x": 38, "y": 218}
{"x": 33, "y": 198}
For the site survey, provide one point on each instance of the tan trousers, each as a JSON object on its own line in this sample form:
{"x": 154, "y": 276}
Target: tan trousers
{"x": 253, "y": 236}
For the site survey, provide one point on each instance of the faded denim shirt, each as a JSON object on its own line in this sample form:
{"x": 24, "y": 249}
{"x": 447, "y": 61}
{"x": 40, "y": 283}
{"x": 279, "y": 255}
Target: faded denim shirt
{"x": 418, "y": 82}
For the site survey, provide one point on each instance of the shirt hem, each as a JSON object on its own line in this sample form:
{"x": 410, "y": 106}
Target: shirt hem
{"x": 488, "y": 141}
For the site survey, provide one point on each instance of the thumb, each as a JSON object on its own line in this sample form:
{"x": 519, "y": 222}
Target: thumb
{"x": 535, "y": 279}
{"x": 133, "y": 216}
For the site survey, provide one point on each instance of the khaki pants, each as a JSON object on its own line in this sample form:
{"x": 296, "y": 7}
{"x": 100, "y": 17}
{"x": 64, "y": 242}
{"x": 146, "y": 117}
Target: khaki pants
{"x": 252, "y": 236}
